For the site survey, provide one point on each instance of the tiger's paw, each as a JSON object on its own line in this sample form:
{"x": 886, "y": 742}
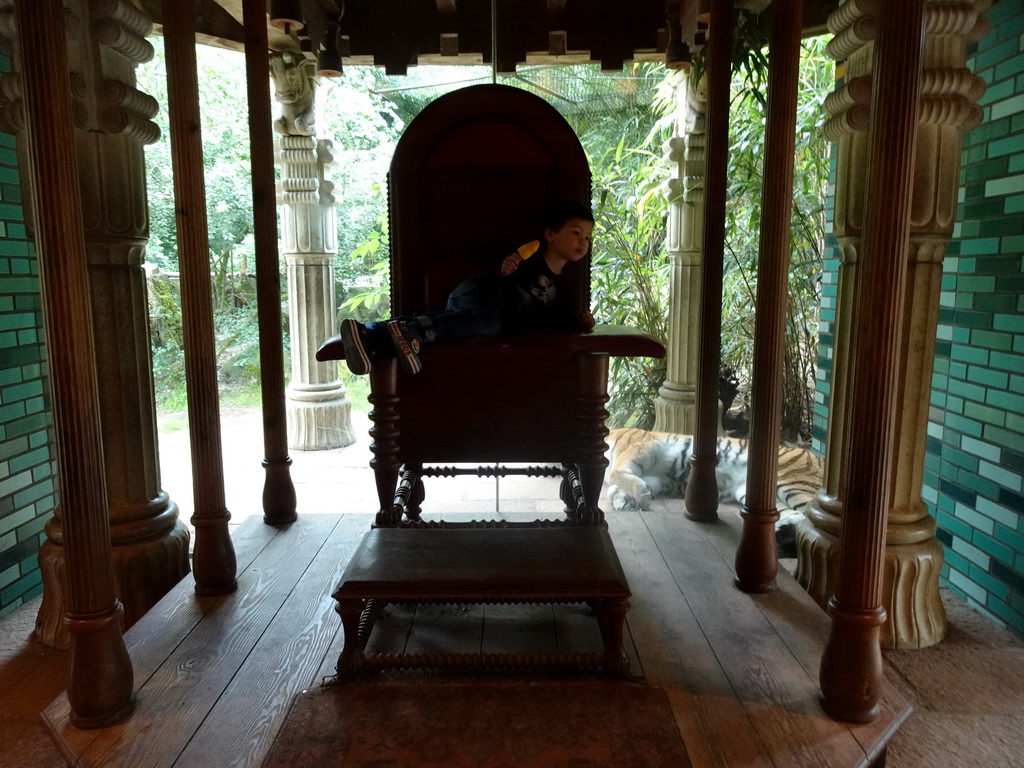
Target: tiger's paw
{"x": 624, "y": 502}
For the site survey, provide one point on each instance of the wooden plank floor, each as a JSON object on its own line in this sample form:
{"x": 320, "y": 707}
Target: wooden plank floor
{"x": 214, "y": 676}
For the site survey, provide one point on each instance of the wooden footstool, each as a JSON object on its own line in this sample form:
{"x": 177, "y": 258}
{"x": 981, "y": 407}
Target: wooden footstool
{"x": 483, "y": 565}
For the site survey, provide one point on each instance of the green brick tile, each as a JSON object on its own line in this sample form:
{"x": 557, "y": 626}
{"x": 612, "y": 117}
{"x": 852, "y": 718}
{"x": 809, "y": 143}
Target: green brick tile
{"x": 973, "y": 520}
{"x": 969, "y": 319}
{"x": 1000, "y": 514}
{"x": 1018, "y": 341}
{"x": 984, "y": 208}
{"x": 996, "y": 92}
{"x": 979, "y": 246}
{"x": 1014, "y": 164}
{"x": 1009, "y": 536}
{"x": 1005, "y": 322}
{"x": 999, "y": 12}
{"x": 1007, "y": 362}
{"x": 1008, "y": 107}
{"x": 994, "y": 302}
{"x": 959, "y": 458}
{"x": 992, "y": 340}
{"x": 972, "y": 355}
{"x": 33, "y": 493}
{"x": 1008, "y": 401}
{"x": 956, "y": 526}
{"x": 981, "y": 449}
{"x": 30, "y": 459}
{"x": 984, "y": 414}
{"x": 11, "y": 212}
{"x": 964, "y": 583}
{"x": 21, "y": 391}
{"x": 997, "y": 474}
{"x": 972, "y": 553}
{"x": 1008, "y": 146}
{"x": 1006, "y": 263}
{"x": 956, "y": 405}
{"x": 990, "y": 169}
{"x": 980, "y": 485}
{"x": 1015, "y": 422}
{"x": 1010, "y": 185}
{"x": 987, "y": 377}
{"x": 957, "y": 370}
{"x": 1012, "y": 440}
{"x": 993, "y": 586}
{"x": 1009, "y": 615}
{"x": 964, "y": 425}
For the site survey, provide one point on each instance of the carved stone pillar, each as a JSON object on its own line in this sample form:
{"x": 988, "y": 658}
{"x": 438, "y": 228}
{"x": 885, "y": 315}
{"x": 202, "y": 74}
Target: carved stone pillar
{"x": 319, "y": 414}
{"x": 913, "y": 556}
{"x": 675, "y": 405}
{"x": 112, "y": 124}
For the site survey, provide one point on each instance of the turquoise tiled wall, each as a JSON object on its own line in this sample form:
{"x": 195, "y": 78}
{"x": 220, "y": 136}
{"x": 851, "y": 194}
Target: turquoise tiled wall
{"x": 974, "y": 467}
{"x": 27, "y": 476}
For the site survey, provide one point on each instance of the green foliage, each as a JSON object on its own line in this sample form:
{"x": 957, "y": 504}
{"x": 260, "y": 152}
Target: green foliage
{"x": 743, "y": 223}
{"x": 630, "y": 273}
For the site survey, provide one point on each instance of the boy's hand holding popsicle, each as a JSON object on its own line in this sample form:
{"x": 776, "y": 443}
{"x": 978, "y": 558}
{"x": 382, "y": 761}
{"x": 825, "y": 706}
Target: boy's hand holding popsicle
{"x": 511, "y": 262}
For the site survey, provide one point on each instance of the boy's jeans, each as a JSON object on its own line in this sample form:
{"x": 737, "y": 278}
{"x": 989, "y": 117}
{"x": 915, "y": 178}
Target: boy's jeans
{"x": 473, "y": 309}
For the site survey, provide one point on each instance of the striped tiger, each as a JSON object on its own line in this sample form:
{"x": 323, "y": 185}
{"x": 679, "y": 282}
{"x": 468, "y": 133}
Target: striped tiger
{"x": 643, "y": 465}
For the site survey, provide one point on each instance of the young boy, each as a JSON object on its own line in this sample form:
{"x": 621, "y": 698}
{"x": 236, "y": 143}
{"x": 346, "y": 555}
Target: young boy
{"x": 530, "y": 293}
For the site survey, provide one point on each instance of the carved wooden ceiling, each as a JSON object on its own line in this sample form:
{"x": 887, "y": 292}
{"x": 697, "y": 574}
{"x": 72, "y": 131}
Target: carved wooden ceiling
{"x": 397, "y": 34}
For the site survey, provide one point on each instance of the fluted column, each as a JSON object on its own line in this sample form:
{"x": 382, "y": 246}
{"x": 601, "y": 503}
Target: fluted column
{"x": 319, "y": 413}
{"x": 675, "y": 405}
{"x": 851, "y": 674}
{"x": 913, "y": 556}
{"x": 214, "y": 554}
{"x": 112, "y": 123}
{"x": 757, "y": 560}
{"x": 702, "y": 488}
{"x": 100, "y": 676}
{"x": 279, "y": 502}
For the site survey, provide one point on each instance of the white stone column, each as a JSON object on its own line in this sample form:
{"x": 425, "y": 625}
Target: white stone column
{"x": 675, "y": 405}
{"x": 319, "y": 413}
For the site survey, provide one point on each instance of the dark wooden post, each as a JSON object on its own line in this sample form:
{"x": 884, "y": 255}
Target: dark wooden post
{"x": 213, "y": 559}
{"x": 100, "y": 678}
{"x": 757, "y": 561}
{"x": 851, "y": 665}
{"x": 278, "y": 490}
{"x": 702, "y": 487}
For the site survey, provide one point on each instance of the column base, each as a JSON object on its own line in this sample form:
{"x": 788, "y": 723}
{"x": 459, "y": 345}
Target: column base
{"x": 675, "y": 411}
{"x": 319, "y": 421}
{"x": 915, "y": 616}
{"x": 144, "y": 571}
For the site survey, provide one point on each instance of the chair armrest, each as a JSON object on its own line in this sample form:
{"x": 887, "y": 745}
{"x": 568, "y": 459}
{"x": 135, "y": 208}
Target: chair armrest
{"x": 614, "y": 340}
{"x": 332, "y": 349}
{"x": 618, "y": 341}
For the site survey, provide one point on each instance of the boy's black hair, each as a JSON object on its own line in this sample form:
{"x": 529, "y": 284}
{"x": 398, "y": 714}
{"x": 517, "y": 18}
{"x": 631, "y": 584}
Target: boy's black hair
{"x": 558, "y": 212}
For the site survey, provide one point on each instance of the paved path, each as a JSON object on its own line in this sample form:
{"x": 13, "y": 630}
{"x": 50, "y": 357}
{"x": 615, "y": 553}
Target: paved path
{"x": 338, "y": 480}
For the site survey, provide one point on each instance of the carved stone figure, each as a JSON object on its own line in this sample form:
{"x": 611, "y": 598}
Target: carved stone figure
{"x": 293, "y": 89}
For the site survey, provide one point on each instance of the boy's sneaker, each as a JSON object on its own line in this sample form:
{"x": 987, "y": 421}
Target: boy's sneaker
{"x": 407, "y": 341}
{"x": 357, "y": 340}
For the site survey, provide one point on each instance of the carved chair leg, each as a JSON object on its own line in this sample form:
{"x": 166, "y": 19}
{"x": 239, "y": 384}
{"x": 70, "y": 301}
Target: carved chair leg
{"x": 351, "y": 660}
{"x": 592, "y": 369}
{"x": 616, "y": 662}
{"x": 384, "y": 435}
{"x": 571, "y": 493}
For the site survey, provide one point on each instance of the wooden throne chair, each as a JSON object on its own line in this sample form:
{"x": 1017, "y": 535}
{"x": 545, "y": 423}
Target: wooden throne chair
{"x": 467, "y": 184}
